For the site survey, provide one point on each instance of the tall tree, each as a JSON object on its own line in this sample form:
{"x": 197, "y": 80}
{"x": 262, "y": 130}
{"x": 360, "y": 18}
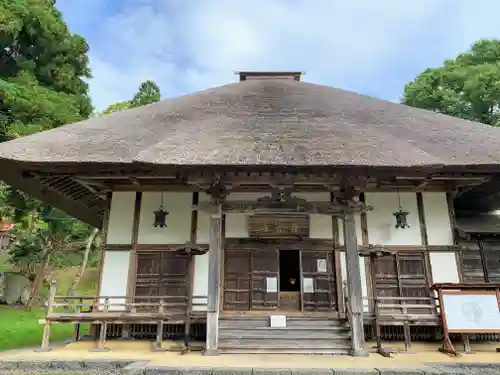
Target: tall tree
{"x": 148, "y": 93}
{"x": 43, "y": 67}
{"x": 466, "y": 87}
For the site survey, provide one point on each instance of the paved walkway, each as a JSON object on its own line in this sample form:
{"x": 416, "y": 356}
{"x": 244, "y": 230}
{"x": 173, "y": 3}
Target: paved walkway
{"x": 136, "y": 358}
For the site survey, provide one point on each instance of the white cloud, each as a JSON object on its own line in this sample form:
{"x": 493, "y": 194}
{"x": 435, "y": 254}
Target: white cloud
{"x": 361, "y": 45}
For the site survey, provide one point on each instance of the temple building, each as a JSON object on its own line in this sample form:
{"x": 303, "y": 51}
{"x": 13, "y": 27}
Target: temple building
{"x": 268, "y": 215}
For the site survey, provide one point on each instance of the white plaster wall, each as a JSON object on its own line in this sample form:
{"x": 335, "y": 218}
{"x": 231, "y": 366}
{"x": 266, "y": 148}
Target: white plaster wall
{"x": 178, "y": 221}
{"x": 121, "y": 218}
{"x": 444, "y": 267}
{"x": 115, "y": 276}
{"x": 359, "y": 234}
{"x": 320, "y": 226}
{"x": 381, "y": 221}
{"x": 200, "y": 281}
{"x": 437, "y": 219}
{"x": 364, "y": 284}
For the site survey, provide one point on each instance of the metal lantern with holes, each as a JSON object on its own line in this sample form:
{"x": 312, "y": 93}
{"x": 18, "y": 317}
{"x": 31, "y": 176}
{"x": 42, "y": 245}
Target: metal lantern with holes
{"x": 160, "y": 216}
{"x": 401, "y": 216}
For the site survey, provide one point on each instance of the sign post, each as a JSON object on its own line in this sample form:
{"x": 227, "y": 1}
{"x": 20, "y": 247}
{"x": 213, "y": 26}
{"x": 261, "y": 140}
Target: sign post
{"x": 467, "y": 309}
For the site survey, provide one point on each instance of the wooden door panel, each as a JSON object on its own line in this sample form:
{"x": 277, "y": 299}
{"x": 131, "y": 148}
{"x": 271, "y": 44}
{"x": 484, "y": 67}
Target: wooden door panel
{"x": 264, "y": 265}
{"x": 402, "y": 275}
{"x": 237, "y": 284}
{"x": 324, "y": 293}
{"x": 163, "y": 274}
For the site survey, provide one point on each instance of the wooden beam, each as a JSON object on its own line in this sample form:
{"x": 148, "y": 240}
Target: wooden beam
{"x": 421, "y": 219}
{"x": 214, "y": 267}
{"x": 14, "y": 177}
{"x": 354, "y": 289}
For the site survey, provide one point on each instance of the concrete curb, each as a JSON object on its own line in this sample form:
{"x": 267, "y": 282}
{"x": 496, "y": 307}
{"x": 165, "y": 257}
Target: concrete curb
{"x": 131, "y": 367}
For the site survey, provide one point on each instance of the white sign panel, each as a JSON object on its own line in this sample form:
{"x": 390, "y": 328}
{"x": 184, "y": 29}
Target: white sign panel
{"x": 471, "y": 312}
{"x": 277, "y": 321}
{"x": 321, "y": 265}
{"x": 308, "y": 285}
{"x": 272, "y": 284}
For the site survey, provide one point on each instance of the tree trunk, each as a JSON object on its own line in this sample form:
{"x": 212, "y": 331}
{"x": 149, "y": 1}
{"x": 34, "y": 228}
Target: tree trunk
{"x": 83, "y": 266}
{"x": 40, "y": 277}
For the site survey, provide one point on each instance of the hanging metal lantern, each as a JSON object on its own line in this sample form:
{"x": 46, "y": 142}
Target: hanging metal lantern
{"x": 401, "y": 216}
{"x": 160, "y": 216}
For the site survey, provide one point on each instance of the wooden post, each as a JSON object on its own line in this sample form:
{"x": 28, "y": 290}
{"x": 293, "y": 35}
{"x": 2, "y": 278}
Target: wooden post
{"x": 354, "y": 285}
{"x": 214, "y": 259}
{"x": 47, "y": 324}
{"x": 159, "y": 328}
{"x": 104, "y": 330}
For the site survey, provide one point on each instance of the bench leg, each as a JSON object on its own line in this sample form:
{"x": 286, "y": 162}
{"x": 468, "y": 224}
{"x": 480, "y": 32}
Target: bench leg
{"x": 407, "y": 334}
{"x": 76, "y": 332}
{"x": 467, "y": 346}
{"x": 159, "y": 338}
{"x": 46, "y": 338}
{"x": 102, "y": 339}
{"x": 187, "y": 335}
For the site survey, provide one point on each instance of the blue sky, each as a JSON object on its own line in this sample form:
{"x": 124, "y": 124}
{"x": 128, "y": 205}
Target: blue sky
{"x": 370, "y": 46}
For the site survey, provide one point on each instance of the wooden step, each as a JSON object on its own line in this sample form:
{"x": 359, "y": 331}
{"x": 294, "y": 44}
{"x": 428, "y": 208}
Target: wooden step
{"x": 285, "y": 351}
{"x": 284, "y": 344}
{"x": 290, "y": 323}
{"x": 285, "y": 334}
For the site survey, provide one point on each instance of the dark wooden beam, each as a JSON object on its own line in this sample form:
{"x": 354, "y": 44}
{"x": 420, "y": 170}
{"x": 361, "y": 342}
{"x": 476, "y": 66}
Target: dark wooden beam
{"x": 14, "y": 177}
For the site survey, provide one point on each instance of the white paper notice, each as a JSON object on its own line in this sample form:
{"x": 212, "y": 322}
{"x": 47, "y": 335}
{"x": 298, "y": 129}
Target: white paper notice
{"x": 272, "y": 284}
{"x": 308, "y": 285}
{"x": 321, "y": 265}
{"x": 277, "y": 321}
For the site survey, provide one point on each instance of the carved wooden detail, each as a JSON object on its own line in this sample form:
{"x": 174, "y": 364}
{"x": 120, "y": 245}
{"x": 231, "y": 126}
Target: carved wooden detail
{"x": 268, "y": 225}
{"x": 283, "y": 202}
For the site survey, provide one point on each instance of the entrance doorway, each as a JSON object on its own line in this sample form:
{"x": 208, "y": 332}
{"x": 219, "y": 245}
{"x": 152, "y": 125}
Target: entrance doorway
{"x": 289, "y": 271}
{"x": 289, "y": 288}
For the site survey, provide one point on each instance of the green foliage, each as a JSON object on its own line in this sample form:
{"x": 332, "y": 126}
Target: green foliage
{"x": 42, "y": 69}
{"x": 148, "y": 93}
{"x": 55, "y": 232}
{"x": 467, "y": 87}
{"x": 117, "y": 107}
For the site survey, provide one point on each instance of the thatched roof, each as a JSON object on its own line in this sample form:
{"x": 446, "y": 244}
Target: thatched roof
{"x": 267, "y": 122}
{"x": 266, "y": 119}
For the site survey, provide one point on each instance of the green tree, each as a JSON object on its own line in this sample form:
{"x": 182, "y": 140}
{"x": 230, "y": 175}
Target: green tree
{"x": 467, "y": 87}
{"x": 43, "y": 67}
{"x": 148, "y": 93}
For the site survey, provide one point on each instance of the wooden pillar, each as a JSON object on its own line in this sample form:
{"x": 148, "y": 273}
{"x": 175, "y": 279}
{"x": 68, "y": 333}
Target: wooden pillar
{"x": 214, "y": 267}
{"x": 354, "y": 289}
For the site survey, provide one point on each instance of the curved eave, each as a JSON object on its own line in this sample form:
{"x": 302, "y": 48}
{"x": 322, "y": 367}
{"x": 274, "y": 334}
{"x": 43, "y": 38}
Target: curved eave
{"x": 70, "y": 197}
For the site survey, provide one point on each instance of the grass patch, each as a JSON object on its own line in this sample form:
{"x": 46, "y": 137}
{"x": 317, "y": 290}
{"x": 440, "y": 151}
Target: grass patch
{"x": 20, "y": 328}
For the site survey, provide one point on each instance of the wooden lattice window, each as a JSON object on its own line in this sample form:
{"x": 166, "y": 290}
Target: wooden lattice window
{"x": 161, "y": 274}
{"x": 402, "y": 275}
{"x": 481, "y": 261}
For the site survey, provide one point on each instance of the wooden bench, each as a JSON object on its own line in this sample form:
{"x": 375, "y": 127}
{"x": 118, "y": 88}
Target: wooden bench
{"x": 403, "y": 311}
{"x": 104, "y": 310}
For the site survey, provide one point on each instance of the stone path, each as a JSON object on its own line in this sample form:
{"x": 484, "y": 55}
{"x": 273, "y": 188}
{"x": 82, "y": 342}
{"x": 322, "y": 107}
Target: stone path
{"x": 131, "y": 367}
